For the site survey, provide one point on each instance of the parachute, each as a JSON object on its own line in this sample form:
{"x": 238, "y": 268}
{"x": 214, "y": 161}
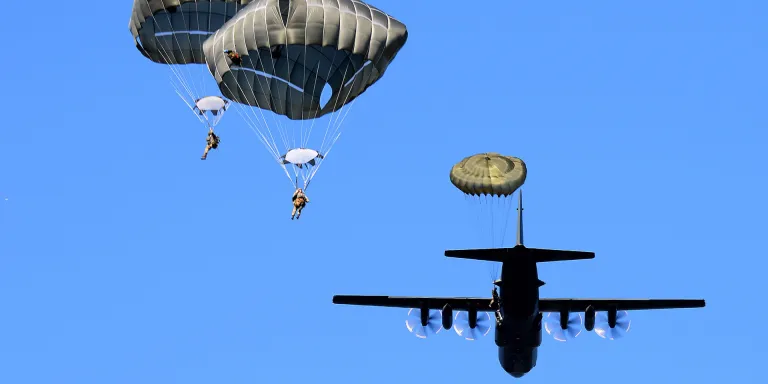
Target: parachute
{"x": 301, "y": 60}
{"x": 172, "y": 32}
{"x": 211, "y": 108}
{"x": 489, "y": 174}
{"x": 488, "y": 180}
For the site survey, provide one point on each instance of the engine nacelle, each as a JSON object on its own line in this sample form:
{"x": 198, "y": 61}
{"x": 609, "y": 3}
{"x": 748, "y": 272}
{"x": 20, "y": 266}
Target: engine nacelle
{"x": 564, "y": 319}
{"x": 589, "y": 318}
{"x": 447, "y": 316}
{"x": 424, "y": 312}
{"x": 612, "y": 317}
{"x": 472, "y": 317}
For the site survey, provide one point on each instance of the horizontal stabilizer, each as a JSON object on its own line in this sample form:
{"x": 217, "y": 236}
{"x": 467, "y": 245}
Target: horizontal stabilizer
{"x": 505, "y": 254}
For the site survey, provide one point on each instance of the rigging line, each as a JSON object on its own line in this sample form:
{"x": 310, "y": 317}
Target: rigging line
{"x": 254, "y": 127}
{"x": 269, "y": 147}
{"x": 335, "y": 104}
{"x": 173, "y": 34}
{"x": 264, "y": 140}
{"x": 506, "y": 221}
{"x": 267, "y": 144}
{"x": 273, "y": 104}
{"x": 167, "y": 56}
{"x": 189, "y": 40}
{"x": 314, "y": 87}
{"x": 326, "y": 80}
{"x": 188, "y": 105}
{"x": 251, "y": 88}
{"x": 304, "y": 76}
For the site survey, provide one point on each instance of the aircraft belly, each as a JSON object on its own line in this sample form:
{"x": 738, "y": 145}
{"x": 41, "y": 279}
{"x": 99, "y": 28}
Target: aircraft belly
{"x": 517, "y": 360}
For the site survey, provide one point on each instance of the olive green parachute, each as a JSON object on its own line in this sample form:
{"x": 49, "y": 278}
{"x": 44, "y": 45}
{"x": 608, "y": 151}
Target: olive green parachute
{"x": 173, "y": 31}
{"x": 489, "y": 174}
{"x": 291, "y": 50}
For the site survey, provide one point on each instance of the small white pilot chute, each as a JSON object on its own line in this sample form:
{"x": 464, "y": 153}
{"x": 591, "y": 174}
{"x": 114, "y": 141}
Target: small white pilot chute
{"x": 211, "y": 109}
{"x": 305, "y": 160}
{"x": 301, "y": 156}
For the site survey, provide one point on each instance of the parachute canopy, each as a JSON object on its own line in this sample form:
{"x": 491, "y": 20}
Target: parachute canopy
{"x": 489, "y": 174}
{"x": 173, "y": 31}
{"x": 301, "y": 156}
{"x": 292, "y": 49}
{"x": 211, "y": 108}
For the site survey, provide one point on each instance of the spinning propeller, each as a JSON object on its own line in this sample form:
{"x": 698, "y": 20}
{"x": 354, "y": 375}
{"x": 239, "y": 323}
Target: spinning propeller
{"x": 421, "y": 322}
{"x": 463, "y": 326}
{"x": 563, "y": 326}
{"x": 612, "y": 325}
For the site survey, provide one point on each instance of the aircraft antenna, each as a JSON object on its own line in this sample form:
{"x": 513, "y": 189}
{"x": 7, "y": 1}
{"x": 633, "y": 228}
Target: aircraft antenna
{"x": 520, "y": 217}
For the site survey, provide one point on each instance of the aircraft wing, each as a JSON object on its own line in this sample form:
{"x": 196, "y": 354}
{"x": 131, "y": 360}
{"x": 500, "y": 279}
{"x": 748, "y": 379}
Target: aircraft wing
{"x": 457, "y": 303}
{"x": 580, "y": 305}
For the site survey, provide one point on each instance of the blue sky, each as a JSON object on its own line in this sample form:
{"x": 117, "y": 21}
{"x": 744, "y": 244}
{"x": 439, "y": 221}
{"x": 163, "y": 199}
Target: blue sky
{"x": 126, "y": 259}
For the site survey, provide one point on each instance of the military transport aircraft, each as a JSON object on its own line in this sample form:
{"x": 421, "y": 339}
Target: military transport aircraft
{"x": 518, "y": 309}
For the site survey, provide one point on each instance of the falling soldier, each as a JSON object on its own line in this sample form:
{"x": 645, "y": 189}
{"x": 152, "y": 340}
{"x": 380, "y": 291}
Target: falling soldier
{"x": 211, "y": 142}
{"x": 299, "y": 201}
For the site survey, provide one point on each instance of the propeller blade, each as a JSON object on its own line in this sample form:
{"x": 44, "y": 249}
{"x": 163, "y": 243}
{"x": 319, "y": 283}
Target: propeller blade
{"x": 603, "y": 330}
{"x": 413, "y": 323}
{"x": 482, "y": 328}
{"x": 553, "y": 328}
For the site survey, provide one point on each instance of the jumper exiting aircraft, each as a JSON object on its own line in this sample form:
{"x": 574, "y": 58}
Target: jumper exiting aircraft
{"x": 518, "y": 309}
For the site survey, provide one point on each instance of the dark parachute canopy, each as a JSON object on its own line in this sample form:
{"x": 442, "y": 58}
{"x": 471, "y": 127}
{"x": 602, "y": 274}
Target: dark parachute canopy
{"x": 173, "y": 31}
{"x": 489, "y": 174}
{"x": 292, "y": 49}
{"x": 301, "y": 60}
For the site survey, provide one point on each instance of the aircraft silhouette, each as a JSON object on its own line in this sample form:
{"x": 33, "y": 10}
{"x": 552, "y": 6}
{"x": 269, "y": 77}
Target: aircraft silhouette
{"x": 518, "y": 309}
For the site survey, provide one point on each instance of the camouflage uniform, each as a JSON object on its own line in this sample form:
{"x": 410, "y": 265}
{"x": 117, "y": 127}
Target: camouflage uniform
{"x": 299, "y": 201}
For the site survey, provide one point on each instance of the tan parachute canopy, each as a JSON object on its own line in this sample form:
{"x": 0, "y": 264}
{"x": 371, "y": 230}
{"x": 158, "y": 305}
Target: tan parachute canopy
{"x": 489, "y": 174}
{"x": 173, "y": 31}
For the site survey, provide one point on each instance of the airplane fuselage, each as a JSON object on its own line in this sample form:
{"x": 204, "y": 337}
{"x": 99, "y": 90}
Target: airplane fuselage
{"x": 519, "y": 335}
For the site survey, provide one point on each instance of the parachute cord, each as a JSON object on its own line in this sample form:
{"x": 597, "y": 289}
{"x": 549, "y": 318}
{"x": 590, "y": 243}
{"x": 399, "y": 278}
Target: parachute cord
{"x": 335, "y": 104}
{"x": 272, "y": 150}
{"x": 250, "y": 86}
{"x": 317, "y": 111}
{"x": 506, "y": 221}
{"x": 275, "y": 152}
{"x": 190, "y": 107}
{"x": 304, "y": 139}
{"x": 189, "y": 40}
{"x": 251, "y": 124}
{"x": 167, "y": 56}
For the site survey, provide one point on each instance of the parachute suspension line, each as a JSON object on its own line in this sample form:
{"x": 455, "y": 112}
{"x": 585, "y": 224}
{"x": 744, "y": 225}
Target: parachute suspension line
{"x": 177, "y": 72}
{"x": 337, "y": 128}
{"x": 330, "y": 68}
{"x": 263, "y": 118}
{"x": 168, "y": 57}
{"x": 270, "y": 145}
{"x": 305, "y": 142}
{"x": 306, "y": 135}
{"x": 189, "y": 40}
{"x": 508, "y": 201}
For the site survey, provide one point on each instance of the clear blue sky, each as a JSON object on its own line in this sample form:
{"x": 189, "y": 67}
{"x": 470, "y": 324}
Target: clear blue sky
{"x": 126, "y": 259}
